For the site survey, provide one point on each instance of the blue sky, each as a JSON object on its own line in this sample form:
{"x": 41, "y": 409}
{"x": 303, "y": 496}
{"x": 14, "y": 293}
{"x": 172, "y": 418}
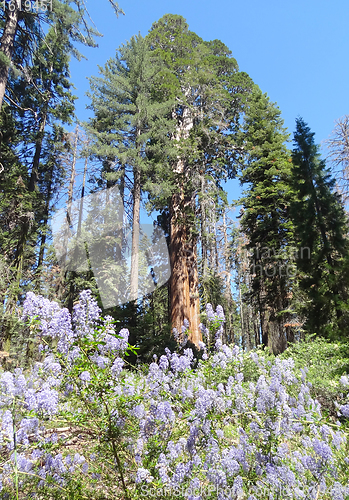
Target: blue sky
{"x": 297, "y": 52}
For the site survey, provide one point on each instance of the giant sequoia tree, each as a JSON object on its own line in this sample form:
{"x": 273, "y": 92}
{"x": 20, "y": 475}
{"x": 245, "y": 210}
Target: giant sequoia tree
{"x": 208, "y": 93}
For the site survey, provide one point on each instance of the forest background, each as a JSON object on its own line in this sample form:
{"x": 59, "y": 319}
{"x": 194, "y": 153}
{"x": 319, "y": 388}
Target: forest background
{"x": 294, "y": 53}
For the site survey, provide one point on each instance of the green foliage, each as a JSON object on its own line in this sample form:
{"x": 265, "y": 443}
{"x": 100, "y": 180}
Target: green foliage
{"x": 208, "y": 93}
{"x": 325, "y": 362}
{"x": 321, "y": 228}
{"x": 265, "y": 220}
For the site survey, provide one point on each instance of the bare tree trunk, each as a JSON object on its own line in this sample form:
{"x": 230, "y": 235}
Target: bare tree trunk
{"x": 135, "y": 232}
{"x": 70, "y": 196}
{"x": 6, "y": 47}
{"x": 81, "y": 206}
{"x": 338, "y": 147}
{"x": 69, "y": 214}
{"x": 46, "y": 214}
{"x": 135, "y": 227}
{"x": 38, "y": 147}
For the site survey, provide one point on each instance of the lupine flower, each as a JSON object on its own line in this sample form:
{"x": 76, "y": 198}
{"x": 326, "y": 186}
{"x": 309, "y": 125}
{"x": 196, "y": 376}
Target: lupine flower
{"x": 85, "y": 376}
{"x": 344, "y": 409}
{"x": 143, "y": 475}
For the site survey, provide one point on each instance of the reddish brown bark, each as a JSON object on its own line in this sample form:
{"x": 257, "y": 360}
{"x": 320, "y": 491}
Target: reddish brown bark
{"x": 184, "y": 285}
{"x": 184, "y": 296}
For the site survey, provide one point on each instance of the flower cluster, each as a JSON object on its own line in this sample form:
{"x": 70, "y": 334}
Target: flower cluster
{"x": 209, "y": 432}
{"x": 214, "y": 329}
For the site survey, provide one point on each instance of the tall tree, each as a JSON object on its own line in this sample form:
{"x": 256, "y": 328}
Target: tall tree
{"x": 321, "y": 228}
{"x": 265, "y": 220}
{"x": 207, "y": 90}
{"x": 42, "y": 109}
{"x": 71, "y": 15}
{"x": 126, "y": 114}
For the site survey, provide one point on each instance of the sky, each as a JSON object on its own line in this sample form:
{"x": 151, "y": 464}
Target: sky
{"x": 296, "y": 51}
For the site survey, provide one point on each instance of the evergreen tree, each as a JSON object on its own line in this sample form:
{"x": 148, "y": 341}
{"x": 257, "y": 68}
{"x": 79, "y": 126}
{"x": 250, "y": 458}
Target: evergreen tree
{"x": 265, "y": 219}
{"x": 125, "y": 116}
{"x": 31, "y": 159}
{"x": 208, "y": 93}
{"x": 321, "y": 228}
{"x": 22, "y": 31}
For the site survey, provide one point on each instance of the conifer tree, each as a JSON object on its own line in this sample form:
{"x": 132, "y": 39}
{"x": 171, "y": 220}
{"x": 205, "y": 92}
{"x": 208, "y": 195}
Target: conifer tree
{"x": 321, "y": 228}
{"x": 126, "y": 116}
{"x": 207, "y": 90}
{"x": 265, "y": 219}
{"x": 30, "y": 157}
{"x": 22, "y": 31}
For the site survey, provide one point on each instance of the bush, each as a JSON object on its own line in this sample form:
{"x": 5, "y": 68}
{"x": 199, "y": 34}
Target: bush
{"x": 80, "y": 425}
{"x": 325, "y": 363}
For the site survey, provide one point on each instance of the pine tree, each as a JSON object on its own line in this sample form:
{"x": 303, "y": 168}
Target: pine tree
{"x": 41, "y": 110}
{"x": 126, "y": 115}
{"x": 265, "y": 219}
{"x": 321, "y": 228}
{"x": 22, "y": 32}
{"x": 30, "y": 156}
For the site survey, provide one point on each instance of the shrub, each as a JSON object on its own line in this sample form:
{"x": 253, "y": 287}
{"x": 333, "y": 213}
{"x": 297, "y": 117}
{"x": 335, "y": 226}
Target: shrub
{"x": 80, "y": 425}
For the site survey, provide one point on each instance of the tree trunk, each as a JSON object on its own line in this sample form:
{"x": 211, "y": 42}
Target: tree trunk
{"x": 183, "y": 251}
{"x": 135, "y": 232}
{"x": 203, "y": 232}
{"x": 6, "y": 47}
{"x": 32, "y": 184}
{"x": 46, "y": 215}
{"x": 194, "y": 305}
{"x": 179, "y": 271}
{"x": 69, "y": 219}
{"x": 70, "y": 198}
{"x": 38, "y": 147}
{"x": 229, "y": 333}
{"x": 81, "y": 206}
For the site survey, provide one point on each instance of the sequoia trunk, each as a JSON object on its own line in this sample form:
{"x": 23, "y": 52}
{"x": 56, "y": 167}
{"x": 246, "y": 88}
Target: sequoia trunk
{"x": 184, "y": 295}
